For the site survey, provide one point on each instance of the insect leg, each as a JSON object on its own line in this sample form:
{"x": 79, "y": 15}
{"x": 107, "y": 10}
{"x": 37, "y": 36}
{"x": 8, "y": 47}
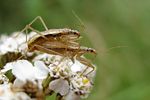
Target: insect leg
{"x": 87, "y": 63}
{"x": 49, "y": 51}
{"x": 74, "y": 44}
{"x": 42, "y": 21}
{"x": 29, "y": 25}
{"x": 45, "y": 50}
{"x": 26, "y": 30}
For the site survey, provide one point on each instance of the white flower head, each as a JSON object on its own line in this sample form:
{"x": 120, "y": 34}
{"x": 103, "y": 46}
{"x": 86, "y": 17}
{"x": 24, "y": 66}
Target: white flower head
{"x": 81, "y": 85}
{"x": 12, "y": 43}
{"x": 9, "y": 45}
{"x": 67, "y": 76}
{"x": 17, "y": 42}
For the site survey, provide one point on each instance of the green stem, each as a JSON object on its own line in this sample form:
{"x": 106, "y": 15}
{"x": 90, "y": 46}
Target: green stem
{"x": 46, "y": 82}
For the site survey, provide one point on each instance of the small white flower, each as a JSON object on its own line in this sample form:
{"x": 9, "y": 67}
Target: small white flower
{"x": 9, "y": 45}
{"x": 41, "y": 70}
{"x": 81, "y": 85}
{"x": 77, "y": 66}
{"x": 17, "y": 42}
{"x": 60, "y": 86}
{"x": 24, "y": 71}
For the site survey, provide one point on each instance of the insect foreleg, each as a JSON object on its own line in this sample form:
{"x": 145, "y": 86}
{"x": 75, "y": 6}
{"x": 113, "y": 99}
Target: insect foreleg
{"x": 29, "y": 25}
{"x": 49, "y": 51}
{"x": 87, "y": 63}
{"x": 41, "y": 20}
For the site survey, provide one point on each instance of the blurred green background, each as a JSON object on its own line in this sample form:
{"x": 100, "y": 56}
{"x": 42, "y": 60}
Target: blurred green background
{"x": 118, "y": 29}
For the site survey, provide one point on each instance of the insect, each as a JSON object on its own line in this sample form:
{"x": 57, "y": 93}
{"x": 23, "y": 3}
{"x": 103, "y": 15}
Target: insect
{"x": 58, "y": 42}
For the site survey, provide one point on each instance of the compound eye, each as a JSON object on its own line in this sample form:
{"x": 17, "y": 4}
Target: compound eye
{"x": 74, "y": 33}
{"x": 88, "y": 50}
{"x": 92, "y": 51}
{"x": 77, "y": 33}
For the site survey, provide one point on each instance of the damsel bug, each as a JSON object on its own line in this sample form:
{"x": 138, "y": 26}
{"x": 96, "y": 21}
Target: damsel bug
{"x": 61, "y": 42}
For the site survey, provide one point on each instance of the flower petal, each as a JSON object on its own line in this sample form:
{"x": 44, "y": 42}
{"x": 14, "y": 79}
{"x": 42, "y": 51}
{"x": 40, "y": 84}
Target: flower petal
{"x": 60, "y": 86}
{"x": 23, "y": 70}
{"x": 41, "y": 71}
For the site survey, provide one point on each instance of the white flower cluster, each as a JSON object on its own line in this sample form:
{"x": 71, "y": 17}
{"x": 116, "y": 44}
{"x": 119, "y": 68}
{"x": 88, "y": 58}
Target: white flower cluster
{"x": 40, "y": 74}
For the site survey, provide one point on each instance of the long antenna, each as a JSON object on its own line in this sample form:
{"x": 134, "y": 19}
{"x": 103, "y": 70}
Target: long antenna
{"x": 79, "y": 19}
{"x": 109, "y": 49}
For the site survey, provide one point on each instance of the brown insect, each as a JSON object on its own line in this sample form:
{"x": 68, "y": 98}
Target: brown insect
{"x": 58, "y": 42}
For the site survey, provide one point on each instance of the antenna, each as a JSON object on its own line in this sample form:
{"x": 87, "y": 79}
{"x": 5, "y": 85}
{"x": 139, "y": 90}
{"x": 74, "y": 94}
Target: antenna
{"x": 79, "y": 19}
